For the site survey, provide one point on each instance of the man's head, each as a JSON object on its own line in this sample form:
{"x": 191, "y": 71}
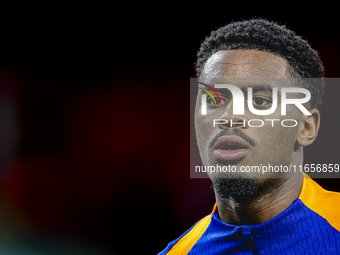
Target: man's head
{"x": 262, "y": 55}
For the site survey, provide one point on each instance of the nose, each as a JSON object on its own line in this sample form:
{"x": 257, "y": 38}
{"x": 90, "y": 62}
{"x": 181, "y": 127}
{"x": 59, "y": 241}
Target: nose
{"x": 231, "y": 120}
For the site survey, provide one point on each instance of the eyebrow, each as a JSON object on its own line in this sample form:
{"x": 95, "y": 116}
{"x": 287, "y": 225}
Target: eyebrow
{"x": 258, "y": 87}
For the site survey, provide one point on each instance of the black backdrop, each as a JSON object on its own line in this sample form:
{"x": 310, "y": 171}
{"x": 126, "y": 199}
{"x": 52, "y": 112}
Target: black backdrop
{"x": 101, "y": 149}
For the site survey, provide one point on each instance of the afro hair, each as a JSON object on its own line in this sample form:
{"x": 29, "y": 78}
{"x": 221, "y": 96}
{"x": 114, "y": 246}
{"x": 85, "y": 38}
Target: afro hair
{"x": 271, "y": 37}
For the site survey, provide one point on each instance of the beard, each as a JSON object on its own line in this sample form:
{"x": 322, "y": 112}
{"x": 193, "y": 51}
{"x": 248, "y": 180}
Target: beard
{"x": 242, "y": 190}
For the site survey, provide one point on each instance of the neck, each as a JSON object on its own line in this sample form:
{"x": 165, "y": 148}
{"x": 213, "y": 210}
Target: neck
{"x": 264, "y": 207}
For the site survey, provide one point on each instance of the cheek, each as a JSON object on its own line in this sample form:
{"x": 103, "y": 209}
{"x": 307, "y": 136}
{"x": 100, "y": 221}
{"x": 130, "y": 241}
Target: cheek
{"x": 203, "y": 129}
{"x": 276, "y": 144}
{"x": 204, "y": 124}
{"x": 280, "y": 135}
{"x": 273, "y": 137}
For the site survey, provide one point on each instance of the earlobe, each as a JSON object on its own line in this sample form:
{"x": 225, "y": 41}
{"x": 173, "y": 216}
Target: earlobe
{"x": 309, "y": 128}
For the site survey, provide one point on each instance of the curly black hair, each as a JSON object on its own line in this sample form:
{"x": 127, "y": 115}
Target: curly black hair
{"x": 271, "y": 37}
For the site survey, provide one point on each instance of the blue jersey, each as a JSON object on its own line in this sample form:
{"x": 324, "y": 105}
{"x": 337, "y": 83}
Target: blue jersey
{"x": 310, "y": 225}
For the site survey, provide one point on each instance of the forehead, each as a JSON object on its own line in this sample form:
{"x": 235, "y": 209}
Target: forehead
{"x": 244, "y": 64}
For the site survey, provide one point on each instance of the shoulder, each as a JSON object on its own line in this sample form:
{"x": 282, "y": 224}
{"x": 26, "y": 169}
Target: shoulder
{"x": 323, "y": 202}
{"x": 185, "y": 242}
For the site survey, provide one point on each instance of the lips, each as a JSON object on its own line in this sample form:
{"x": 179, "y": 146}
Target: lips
{"x": 231, "y": 148}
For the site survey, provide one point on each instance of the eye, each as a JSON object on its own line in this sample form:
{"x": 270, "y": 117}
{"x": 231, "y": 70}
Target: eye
{"x": 259, "y": 101}
{"x": 210, "y": 101}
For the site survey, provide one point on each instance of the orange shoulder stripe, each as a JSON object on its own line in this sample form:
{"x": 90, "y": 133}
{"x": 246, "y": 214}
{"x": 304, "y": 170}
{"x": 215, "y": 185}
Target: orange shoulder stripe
{"x": 323, "y": 202}
{"x": 184, "y": 245}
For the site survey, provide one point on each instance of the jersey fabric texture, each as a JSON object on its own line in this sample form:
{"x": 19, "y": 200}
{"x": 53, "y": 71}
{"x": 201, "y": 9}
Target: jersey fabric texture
{"x": 310, "y": 225}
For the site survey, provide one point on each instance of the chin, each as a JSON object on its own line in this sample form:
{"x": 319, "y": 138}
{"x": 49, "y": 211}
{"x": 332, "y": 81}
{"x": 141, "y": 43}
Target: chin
{"x": 236, "y": 175}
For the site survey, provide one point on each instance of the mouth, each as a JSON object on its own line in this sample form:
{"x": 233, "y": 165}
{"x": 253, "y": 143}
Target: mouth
{"x": 230, "y": 148}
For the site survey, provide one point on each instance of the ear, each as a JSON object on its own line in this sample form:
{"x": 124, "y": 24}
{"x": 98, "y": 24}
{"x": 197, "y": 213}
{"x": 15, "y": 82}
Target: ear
{"x": 309, "y": 128}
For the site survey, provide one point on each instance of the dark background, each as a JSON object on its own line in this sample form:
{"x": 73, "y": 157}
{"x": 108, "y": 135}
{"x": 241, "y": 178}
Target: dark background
{"x": 98, "y": 149}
